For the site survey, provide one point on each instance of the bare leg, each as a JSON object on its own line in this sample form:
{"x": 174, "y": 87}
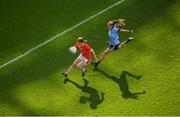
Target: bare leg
{"x": 104, "y": 54}
{"x": 81, "y": 66}
{"x": 125, "y": 42}
{"x": 71, "y": 68}
{"x": 122, "y": 44}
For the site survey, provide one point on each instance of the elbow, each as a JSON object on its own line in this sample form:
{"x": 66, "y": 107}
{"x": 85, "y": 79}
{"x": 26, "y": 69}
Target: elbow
{"x": 92, "y": 51}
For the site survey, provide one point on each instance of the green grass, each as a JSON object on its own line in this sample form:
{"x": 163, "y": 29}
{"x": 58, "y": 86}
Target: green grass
{"x": 34, "y": 85}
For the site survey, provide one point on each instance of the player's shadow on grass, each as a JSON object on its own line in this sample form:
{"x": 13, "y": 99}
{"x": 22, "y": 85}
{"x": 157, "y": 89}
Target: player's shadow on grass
{"x": 93, "y": 98}
{"x": 123, "y": 84}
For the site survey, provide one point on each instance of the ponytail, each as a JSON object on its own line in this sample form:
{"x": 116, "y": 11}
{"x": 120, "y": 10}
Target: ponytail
{"x": 119, "y": 22}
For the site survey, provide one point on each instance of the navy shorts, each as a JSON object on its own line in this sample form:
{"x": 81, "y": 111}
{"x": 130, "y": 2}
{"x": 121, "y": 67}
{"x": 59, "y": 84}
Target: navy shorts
{"x": 114, "y": 47}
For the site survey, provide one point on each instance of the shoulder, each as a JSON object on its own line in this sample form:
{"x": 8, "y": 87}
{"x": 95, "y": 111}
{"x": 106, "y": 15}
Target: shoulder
{"x": 116, "y": 29}
{"x": 86, "y": 45}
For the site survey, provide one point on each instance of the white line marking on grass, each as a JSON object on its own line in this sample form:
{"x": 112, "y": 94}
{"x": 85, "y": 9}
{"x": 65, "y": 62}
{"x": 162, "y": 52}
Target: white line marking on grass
{"x": 60, "y": 34}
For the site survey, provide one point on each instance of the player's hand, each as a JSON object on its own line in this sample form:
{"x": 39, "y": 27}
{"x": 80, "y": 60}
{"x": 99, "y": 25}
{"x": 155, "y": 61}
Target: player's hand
{"x": 131, "y": 31}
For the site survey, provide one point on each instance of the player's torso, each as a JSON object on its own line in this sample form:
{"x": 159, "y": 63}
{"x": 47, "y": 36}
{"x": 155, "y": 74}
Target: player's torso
{"x": 84, "y": 47}
{"x": 114, "y": 36}
{"x": 85, "y": 50}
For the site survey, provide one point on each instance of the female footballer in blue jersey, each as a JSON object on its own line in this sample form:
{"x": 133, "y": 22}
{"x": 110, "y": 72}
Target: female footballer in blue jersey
{"x": 114, "y": 43}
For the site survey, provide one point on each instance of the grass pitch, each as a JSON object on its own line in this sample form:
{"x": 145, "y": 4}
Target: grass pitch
{"x": 34, "y": 84}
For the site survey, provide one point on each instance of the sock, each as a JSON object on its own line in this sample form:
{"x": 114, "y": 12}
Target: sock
{"x": 83, "y": 69}
{"x": 127, "y": 41}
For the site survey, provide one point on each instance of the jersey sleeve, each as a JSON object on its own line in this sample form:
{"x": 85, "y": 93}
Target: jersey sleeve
{"x": 76, "y": 45}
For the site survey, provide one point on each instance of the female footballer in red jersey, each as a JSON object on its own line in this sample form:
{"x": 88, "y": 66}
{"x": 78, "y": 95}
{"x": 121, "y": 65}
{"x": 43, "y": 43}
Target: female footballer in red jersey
{"x": 83, "y": 59}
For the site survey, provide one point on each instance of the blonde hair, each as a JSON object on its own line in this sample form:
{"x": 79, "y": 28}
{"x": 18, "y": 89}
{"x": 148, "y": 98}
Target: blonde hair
{"x": 81, "y": 40}
{"x": 119, "y": 22}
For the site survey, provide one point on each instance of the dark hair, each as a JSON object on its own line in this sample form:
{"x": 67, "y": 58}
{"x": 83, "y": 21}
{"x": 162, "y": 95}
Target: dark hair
{"x": 81, "y": 40}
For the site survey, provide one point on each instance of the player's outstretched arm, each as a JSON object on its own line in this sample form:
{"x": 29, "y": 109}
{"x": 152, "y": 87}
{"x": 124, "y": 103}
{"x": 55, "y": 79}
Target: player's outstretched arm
{"x": 125, "y": 30}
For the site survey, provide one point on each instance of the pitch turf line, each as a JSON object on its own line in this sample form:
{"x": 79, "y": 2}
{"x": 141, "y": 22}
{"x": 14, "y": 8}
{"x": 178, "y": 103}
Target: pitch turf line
{"x": 60, "y": 34}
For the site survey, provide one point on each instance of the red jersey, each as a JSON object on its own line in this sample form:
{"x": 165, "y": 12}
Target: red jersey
{"x": 85, "y": 50}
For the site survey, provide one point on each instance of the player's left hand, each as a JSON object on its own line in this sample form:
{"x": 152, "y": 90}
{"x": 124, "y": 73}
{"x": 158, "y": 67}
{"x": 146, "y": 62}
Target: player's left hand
{"x": 131, "y": 31}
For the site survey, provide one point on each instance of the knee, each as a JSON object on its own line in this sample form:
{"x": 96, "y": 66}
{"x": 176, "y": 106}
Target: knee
{"x": 78, "y": 65}
{"x": 122, "y": 45}
{"x": 105, "y": 53}
{"x": 74, "y": 65}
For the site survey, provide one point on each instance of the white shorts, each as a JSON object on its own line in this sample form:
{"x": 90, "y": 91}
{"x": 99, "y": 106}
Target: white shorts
{"x": 82, "y": 58}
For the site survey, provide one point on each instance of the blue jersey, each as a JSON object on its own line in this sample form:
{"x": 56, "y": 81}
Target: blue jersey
{"x": 114, "y": 36}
